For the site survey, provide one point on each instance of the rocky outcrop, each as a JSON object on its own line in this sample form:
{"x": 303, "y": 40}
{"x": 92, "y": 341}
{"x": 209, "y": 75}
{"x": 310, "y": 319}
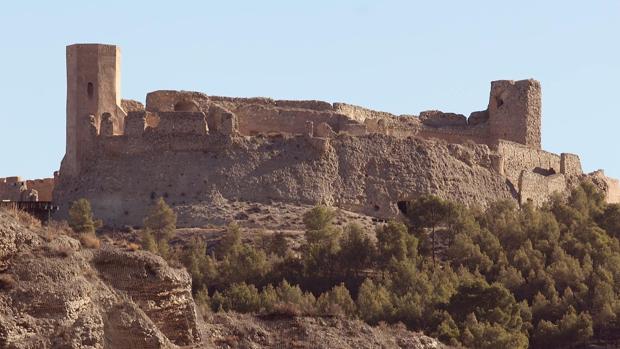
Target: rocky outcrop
{"x": 245, "y": 331}
{"x": 163, "y": 293}
{"x": 54, "y": 293}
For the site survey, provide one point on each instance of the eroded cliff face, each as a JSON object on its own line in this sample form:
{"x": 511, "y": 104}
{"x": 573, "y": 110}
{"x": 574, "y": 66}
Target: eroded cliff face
{"x": 54, "y": 293}
{"x": 367, "y": 174}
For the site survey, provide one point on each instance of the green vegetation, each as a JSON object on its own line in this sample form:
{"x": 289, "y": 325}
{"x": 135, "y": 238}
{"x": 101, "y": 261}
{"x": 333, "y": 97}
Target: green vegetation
{"x": 503, "y": 277}
{"x": 82, "y": 222}
{"x": 81, "y": 217}
{"x": 159, "y": 227}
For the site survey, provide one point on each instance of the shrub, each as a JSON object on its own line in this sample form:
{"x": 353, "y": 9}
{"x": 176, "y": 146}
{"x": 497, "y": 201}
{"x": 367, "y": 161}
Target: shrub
{"x": 230, "y": 242}
{"x": 161, "y": 220}
{"x": 393, "y": 241}
{"x": 337, "y": 302}
{"x": 356, "y": 250}
{"x": 203, "y": 301}
{"x": 278, "y": 244}
{"x": 319, "y": 218}
{"x": 148, "y": 242}
{"x": 374, "y": 303}
{"x": 90, "y": 240}
{"x": 81, "y": 217}
{"x": 429, "y": 212}
{"x": 238, "y": 297}
{"x": 294, "y": 300}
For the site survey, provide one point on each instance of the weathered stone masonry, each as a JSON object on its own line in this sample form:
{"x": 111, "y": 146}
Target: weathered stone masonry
{"x": 184, "y": 145}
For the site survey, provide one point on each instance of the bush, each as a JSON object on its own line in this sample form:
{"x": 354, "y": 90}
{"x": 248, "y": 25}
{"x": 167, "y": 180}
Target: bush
{"x": 203, "y": 301}
{"x": 292, "y": 300}
{"x": 238, "y": 297}
{"x": 336, "y": 302}
{"x": 81, "y": 218}
{"x": 90, "y": 240}
{"x": 356, "y": 250}
{"x": 319, "y": 218}
{"x": 161, "y": 220}
{"x": 374, "y": 303}
{"x": 394, "y": 242}
{"x": 278, "y": 244}
{"x": 230, "y": 243}
{"x": 571, "y": 329}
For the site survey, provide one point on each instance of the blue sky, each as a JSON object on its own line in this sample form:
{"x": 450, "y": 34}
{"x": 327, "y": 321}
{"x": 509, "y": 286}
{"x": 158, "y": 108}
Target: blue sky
{"x": 396, "y": 56}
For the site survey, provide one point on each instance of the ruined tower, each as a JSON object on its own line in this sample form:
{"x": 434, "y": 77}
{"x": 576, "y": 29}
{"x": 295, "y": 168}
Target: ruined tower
{"x": 93, "y": 98}
{"x": 515, "y": 112}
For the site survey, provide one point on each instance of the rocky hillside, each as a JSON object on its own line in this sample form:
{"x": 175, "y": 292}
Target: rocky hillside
{"x": 54, "y": 292}
{"x": 225, "y": 330}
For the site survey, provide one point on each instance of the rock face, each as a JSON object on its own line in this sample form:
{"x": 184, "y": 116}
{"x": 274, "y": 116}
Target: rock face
{"x": 54, "y": 293}
{"x": 245, "y": 331}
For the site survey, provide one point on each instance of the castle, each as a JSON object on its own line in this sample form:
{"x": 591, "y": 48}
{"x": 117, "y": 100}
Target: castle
{"x": 186, "y": 146}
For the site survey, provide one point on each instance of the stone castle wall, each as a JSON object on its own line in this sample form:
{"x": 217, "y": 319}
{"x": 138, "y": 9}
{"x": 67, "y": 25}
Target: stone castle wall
{"x": 518, "y": 158}
{"x": 267, "y": 116}
{"x": 17, "y": 189}
{"x": 184, "y": 145}
{"x": 368, "y": 174}
{"x": 537, "y": 188}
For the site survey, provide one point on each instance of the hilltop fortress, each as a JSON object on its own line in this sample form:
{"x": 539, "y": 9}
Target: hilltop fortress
{"x": 189, "y": 147}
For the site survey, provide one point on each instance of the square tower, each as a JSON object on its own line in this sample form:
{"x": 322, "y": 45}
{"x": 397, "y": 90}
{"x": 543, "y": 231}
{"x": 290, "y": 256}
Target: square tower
{"x": 93, "y": 89}
{"x": 515, "y": 112}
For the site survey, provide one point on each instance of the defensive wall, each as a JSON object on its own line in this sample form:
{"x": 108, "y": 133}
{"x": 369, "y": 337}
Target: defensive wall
{"x": 185, "y": 145}
{"x": 18, "y": 189}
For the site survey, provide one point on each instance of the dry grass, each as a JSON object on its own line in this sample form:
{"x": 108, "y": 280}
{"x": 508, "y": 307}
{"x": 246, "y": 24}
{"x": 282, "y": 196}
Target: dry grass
{"x": 59, "y": 251}
{"x": 54, "y": 229}
{"x": 90, "y": 241}
{"x": 132, "y": 246}
{"x": 24, "y": 218}
{"x": 7, "y": 282}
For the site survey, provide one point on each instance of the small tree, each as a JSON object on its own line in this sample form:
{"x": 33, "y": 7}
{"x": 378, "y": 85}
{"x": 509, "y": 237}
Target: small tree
{"x": 161, "y": 220}
{"x": 81, "y": 217}
{"x": 336, "y": 301}
{"x": 319, "y": 218}
{"x": 429, "y": 212}
{"x": 393, "y": 241}
{"x": 231, "y": 241}
{"x": 82, "y": 222}
{"x": 374, "y": 302}
{"x": 159, "y": 227}
{"x": 278, "y": 244}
